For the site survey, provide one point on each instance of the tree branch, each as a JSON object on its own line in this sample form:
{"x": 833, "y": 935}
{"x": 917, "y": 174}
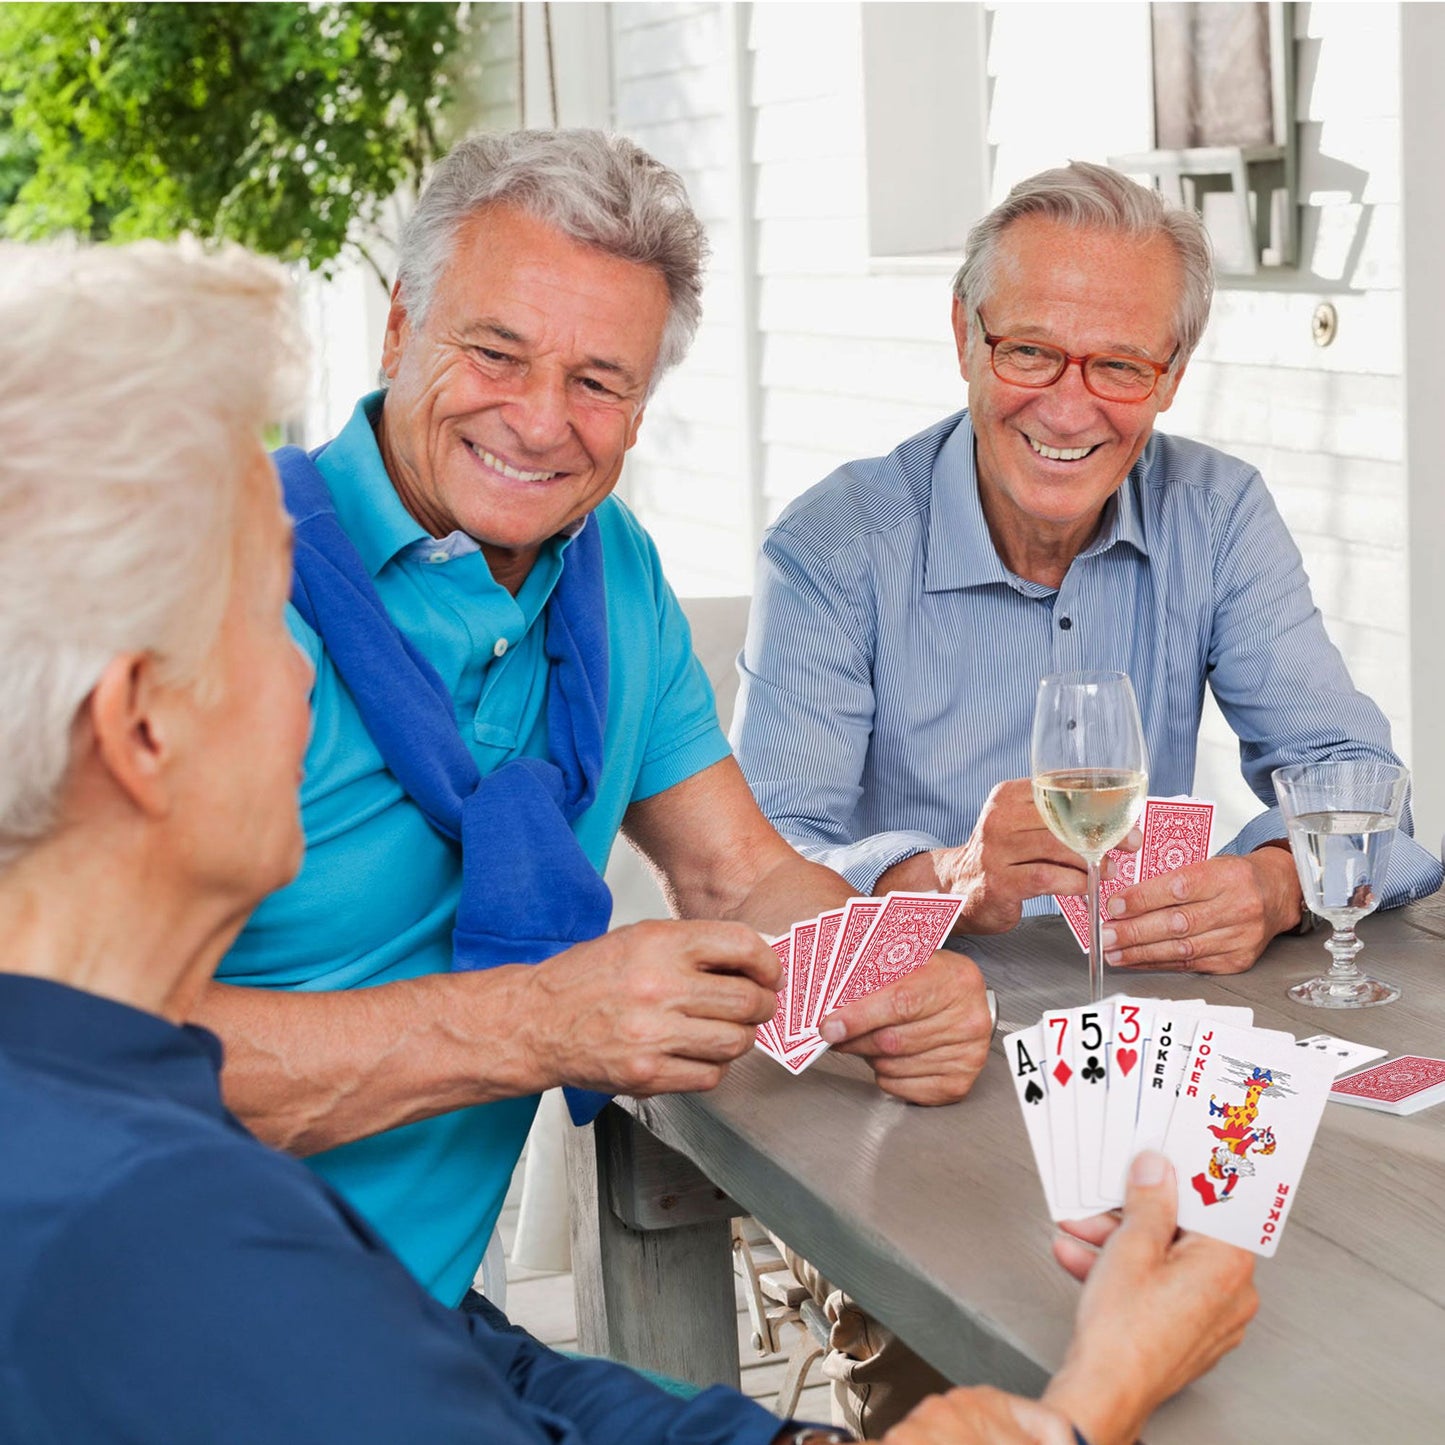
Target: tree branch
{"x": 375, "y": 266}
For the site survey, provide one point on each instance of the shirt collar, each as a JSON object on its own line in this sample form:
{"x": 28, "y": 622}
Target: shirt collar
{"x": 367, "y": 506}
{"x": 961, "y": 551}
{"x": 39, "y": 1017}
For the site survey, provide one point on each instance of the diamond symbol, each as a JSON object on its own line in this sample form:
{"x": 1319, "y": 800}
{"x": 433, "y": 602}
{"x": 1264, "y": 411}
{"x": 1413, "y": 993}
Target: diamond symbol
{"x": 1063, "y": 1073}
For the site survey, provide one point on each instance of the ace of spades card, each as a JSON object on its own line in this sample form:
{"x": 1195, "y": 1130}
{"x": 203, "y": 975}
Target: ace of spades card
{"x": 1024, "y": 1051}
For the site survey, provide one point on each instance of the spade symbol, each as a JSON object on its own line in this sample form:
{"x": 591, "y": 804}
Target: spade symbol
{"x": 1033, "y": 1093}
{"x": 1092, "y": 1072}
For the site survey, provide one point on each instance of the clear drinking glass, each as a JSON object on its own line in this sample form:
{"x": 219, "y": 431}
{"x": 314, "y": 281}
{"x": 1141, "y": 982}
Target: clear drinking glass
{"x": 1342, "y": 819}
{"x": 1090, "y": 775}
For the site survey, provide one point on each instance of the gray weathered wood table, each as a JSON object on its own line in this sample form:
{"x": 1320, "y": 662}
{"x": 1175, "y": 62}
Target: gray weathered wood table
{"x": 934, "y": 1220}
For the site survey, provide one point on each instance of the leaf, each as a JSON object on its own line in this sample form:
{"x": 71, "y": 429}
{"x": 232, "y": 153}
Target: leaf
{"x": 285, "y": 127}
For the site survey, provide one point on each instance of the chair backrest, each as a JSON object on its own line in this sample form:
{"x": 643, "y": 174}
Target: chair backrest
{"x": 718, "y": 625}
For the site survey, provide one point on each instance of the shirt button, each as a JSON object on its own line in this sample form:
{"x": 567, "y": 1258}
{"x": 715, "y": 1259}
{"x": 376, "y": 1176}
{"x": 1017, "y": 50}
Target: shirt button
{"x": 499, "y": 648}
{"x": 437, "y": 557}
{"x": 1065, "y": 623}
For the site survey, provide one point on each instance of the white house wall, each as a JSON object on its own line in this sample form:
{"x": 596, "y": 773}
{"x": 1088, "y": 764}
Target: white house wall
{"x": 832, "y": 354}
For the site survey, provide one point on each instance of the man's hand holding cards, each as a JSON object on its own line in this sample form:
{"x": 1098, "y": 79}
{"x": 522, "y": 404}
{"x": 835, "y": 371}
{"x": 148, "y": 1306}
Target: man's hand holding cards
{"x": 1234, "y": 1108}
{"x": 1177, "y": 832}
{"x": 844, "y": 955}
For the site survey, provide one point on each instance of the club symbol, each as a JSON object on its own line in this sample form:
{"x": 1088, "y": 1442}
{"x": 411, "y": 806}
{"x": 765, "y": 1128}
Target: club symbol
{"x": 1033, "y": 1094}
{"x": 1092, "y": 1072}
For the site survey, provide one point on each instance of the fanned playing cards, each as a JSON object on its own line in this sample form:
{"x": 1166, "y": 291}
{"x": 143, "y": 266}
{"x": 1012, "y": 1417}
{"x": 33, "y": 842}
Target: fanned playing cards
{"x": 845, "y": 954}
{"x": 1177, "y": 832}
{"x": 1235, "y": 1109}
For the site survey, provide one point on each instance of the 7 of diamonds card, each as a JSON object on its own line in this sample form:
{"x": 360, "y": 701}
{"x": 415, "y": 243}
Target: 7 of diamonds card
{"x": 1065, "y": 1195}
{"x": 1249, "y": 1104}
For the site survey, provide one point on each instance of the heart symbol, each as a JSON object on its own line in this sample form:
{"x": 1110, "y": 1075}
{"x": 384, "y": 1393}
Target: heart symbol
{"x": 1033, "y": 1093}
{"x": 1126, "y": 1059}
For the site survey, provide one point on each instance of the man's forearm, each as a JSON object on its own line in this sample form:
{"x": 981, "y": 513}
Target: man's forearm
{"x": 310, "y": 1071}
{"x": 779, "y": 895}
{"x": 915, "y": 874}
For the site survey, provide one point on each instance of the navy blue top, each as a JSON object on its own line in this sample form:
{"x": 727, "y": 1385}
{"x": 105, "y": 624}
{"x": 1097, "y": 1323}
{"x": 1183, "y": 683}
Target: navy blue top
{"x": 165, "y": 1277}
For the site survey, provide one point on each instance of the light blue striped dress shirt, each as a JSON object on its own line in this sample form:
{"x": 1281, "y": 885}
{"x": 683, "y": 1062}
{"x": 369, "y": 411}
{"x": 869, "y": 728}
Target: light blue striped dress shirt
{"x": 891, "y": 662}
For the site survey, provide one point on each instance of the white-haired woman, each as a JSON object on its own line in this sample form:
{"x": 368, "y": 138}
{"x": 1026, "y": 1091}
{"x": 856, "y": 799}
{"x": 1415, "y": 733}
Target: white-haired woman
{"x": 163, "y": 1276}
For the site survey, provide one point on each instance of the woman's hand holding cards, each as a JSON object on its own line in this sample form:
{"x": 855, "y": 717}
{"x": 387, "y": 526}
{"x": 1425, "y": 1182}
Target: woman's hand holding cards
{"x": 1159, "y": 1307}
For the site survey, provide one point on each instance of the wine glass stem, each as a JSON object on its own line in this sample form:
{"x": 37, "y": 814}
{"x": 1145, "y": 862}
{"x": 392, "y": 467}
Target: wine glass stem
{"x": 1096, "y": 949}
{"x": 1342, "y": 946}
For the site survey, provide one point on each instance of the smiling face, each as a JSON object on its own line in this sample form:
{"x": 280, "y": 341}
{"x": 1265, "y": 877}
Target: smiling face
{"x": 514, "y": 402}
{"x": 1049, "y": 459}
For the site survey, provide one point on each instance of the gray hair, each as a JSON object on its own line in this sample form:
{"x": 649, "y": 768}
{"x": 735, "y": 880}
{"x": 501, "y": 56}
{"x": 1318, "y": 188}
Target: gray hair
{"x": 134, "y": 382}
{"x": 1084, "y": 195}
{"x": 601, "y": 190}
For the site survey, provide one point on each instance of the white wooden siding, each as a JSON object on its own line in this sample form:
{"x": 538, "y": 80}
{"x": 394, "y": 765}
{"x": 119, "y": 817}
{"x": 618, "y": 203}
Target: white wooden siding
{"x": 837, "y": 354}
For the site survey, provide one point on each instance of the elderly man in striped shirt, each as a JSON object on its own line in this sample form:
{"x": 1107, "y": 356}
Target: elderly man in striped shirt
{"x": 907, "y": 605}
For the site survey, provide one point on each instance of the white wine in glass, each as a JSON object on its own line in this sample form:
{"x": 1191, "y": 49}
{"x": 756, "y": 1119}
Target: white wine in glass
{"x": 1090, "y": 775}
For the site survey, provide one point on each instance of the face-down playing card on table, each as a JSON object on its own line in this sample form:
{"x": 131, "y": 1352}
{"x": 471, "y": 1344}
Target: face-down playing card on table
{"x": 1177, "y": 832}
{"x": 1403, "y": 1086}
{"x": 1342, "y": 1054}
{"x": 1248, "y": 1108}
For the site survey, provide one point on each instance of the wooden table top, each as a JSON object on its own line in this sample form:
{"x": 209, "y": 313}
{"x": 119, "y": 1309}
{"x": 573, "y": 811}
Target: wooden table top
{"x": 934, "y": 1219}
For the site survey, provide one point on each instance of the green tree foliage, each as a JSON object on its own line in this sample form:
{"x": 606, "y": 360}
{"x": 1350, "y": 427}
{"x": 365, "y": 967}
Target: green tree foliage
{"x": 285, "y": 127}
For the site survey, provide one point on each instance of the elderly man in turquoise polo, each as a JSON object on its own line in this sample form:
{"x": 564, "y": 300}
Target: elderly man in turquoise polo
{"x": 504, "y": 681}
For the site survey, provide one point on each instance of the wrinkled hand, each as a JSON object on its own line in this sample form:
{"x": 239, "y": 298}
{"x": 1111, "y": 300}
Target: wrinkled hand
{"x": 926, "y": 1036}
{"x": 982, "y": 1416}
{"x": 1159, "y": 1308}
{"x": 653, "y": 1008}
{"x": 1212, "y": 917}
{"x": 1010, "y": 856}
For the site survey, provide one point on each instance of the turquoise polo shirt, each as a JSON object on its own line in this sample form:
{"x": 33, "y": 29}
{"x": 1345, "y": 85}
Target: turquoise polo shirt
{"x": 377, "y": 894}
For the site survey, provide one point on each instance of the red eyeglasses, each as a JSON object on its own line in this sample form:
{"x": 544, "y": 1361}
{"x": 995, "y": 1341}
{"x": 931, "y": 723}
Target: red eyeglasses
{"x": 1036, "y": 364}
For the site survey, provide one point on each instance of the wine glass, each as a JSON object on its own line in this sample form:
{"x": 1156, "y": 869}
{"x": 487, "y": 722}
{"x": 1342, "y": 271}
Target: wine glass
{"x": 1090, "y": 775}
{"x": 1342, "y": 819}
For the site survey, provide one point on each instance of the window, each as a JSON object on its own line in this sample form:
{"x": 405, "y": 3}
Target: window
{"x": 1224, "y": 130}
